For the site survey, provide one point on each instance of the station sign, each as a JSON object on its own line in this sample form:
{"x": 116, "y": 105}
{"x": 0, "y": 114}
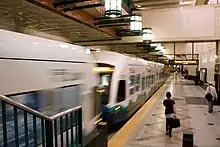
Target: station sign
{"x": 183, "y": 62}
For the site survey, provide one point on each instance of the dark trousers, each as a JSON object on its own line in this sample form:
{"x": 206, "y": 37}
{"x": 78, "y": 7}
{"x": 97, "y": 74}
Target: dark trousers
{"x": 169, "y": 125}
{"x": 210, "y": 105}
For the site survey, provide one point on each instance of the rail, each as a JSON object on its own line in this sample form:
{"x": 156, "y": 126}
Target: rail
{"x": 20, "y": 125}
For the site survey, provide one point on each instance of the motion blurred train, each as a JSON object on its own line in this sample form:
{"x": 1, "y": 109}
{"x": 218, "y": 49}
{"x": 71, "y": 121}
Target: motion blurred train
{"x": 52, "y": 76}
{"x": 47, "y": 76}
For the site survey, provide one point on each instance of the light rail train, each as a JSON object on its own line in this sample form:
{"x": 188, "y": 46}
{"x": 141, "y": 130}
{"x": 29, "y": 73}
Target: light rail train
{"x": 52, "y": 76}
{"x": 126, "y": 83}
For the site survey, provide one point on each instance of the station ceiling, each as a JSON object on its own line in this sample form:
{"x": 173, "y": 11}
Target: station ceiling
{"x": 42, "y": 18}
{"x": 23, "y": 16}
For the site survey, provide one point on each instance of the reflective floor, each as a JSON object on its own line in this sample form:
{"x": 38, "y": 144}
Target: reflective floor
{"x": 191, "y": 110}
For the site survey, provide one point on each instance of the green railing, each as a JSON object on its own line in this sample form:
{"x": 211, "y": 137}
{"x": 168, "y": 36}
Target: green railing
{"x": 23, "y": 126}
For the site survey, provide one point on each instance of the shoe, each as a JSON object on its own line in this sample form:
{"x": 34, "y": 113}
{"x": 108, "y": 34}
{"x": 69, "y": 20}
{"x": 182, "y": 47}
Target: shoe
{"x": 170, "y": 135}
{"x": 167, "y": 133}
{"x": 210, "y": 111}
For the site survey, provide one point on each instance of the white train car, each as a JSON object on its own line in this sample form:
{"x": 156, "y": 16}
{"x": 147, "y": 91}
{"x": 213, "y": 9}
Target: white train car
{"x": 48, "y": 76}
{"x": 126, "y": 83}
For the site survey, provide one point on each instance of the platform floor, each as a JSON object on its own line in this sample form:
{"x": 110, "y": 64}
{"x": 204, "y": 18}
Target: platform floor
{"x": 147, "y": 127}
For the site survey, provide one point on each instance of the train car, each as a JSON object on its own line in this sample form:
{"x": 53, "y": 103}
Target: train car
{"x": 48, "y": 76}
{"x": 126, "y": 84}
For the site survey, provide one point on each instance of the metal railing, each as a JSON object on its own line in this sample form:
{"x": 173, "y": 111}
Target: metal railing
{"x": 23, "y": 126}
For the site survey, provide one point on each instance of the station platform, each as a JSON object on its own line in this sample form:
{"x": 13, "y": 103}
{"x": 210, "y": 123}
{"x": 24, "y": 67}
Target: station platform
{"x": 147, "y": 127}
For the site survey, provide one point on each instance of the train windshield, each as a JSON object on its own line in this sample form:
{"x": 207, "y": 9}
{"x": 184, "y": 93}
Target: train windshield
{"x": 105, "y": 74}
{"x": 104, "y": 87}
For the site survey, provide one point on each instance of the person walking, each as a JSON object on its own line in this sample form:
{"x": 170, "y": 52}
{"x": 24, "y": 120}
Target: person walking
{"x": 210, "y": 95}
{"x": 170, "y": 113}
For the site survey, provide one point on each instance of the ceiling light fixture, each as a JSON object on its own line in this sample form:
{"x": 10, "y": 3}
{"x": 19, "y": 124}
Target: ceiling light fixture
{"x": 136, "y": 23}
{"x": 147, "y": 35}
{"x": 113, "y": 8}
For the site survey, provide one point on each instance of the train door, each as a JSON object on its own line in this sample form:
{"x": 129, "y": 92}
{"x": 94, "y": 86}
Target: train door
{"x": 105, "y": 73}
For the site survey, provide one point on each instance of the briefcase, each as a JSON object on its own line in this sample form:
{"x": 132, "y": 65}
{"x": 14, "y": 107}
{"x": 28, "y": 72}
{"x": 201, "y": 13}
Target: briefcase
{"x": 176, "y": 123}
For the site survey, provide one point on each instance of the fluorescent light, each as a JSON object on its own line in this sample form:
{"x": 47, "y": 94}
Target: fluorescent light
{"x": 186, "y": 62}
{"x": 102, "y": 69}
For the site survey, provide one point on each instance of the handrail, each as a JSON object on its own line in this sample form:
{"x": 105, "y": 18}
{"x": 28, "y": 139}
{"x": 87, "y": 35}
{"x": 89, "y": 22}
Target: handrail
{"x": 32, "y": 111}
{"x": 64, "y": 112}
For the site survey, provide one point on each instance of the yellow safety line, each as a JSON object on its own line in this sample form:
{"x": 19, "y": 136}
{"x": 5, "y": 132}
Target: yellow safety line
{"x": 120, "y": 138}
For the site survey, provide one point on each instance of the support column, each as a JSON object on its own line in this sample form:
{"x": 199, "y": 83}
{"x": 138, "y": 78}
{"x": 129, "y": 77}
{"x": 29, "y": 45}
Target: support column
{"x": 174, "y": 50}
{"x": 216, "y": 76}
{"x": 192, "y": 50}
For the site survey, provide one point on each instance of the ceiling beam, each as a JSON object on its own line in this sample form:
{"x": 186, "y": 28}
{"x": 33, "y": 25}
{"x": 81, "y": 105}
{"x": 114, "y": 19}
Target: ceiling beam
{"x": 101, "y": 22}
{"x": 83, "y": 7}
{"x": 141, "y": 1}
{"x": 57, "y": 4}
{"x": 160, "y": 5}
{"x": 156, "y": 2}
{"x": 137, "y": 42}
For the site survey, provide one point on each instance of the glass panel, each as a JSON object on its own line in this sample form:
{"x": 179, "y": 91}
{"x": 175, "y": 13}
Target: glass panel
{"x": 138, "y": 82}
{"x": 132, "y": 84}
{"x": 104, "y": 87}
{"x": 121, "y": 91}
{"x": 143, "y": 83}
{"x": 51, "y": 101}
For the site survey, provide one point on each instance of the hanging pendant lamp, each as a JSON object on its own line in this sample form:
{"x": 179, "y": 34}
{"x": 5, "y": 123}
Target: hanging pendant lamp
{"x": 113, "y": 8}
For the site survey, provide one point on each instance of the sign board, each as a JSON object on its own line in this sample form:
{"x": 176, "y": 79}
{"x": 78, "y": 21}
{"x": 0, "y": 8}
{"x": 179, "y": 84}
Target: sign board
{"x": 183, "y": 62}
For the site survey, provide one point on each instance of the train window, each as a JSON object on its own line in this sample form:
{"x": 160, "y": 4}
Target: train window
{"x": 50, "y": 101}
{"x": 132, "y": 85}
{"x": 104, "y": 87}
{"x": 149, "y": 81}
{"x": 152, "y": 79}
{"x": 121, "y": 91}
{"x": 146, "y": 82}
{"x": 143, "y": 83}
{"x": 138, "y": 82}
{"x": 155, "y": 78}
{"x": 132, "y": 79}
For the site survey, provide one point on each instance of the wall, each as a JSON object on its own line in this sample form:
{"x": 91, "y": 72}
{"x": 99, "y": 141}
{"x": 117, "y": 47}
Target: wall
{"x": 207, "y": 58}
{"x": 189, "y": 23}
